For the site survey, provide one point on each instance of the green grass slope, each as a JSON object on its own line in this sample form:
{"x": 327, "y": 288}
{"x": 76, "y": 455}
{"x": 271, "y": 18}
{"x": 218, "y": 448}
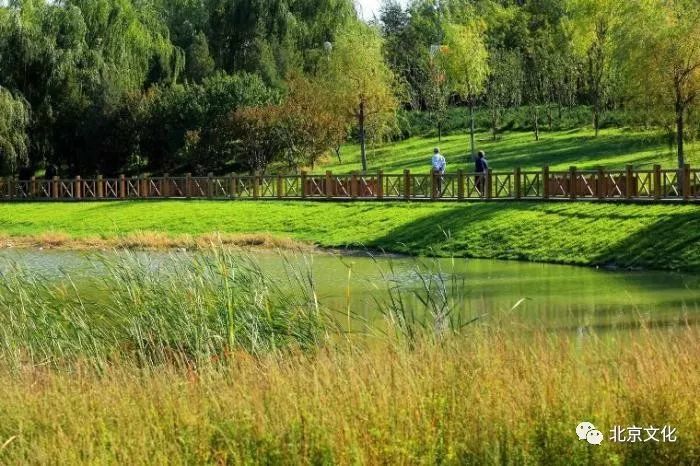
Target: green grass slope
{"x": 613, "y": 148}
{"x": 647, "y": 236}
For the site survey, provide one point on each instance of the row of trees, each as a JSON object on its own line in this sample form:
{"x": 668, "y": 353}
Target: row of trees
{"x": 221, "y": 85}
{"x": 113, "y": 85}
{"x": 640, "y": 55}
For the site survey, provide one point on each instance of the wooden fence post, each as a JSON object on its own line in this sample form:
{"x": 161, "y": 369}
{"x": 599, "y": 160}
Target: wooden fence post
{"x": 99, "y": 187}
{"x": 407, "y": 184}
{"x": 380, "y": 184}
{"x": 545, "y": 182}
{"x": 122, "y": 186}
{"x": 329, "y": 184}
{"x": 433, "y": 184}
{"x": 256, "y": 185}
{"x": 210, "y": 185}
{"x": 303, "y": 184}
{"x": 657, "y": 182}
{"x": 145, "y": 186}
{"x": 629, "y": 186}
{"x": 686, "y": 181}
{"x": 460, "y": 184}
{"x": 601, "y": 184}
{"x": 487, "y": 185}
{"x": 233, "y": 189}
{"x": 573, "y": 184}
{"x": 165, "y": 187}
{"x": 353, "y": 185}
{"x": 77, "y": 188}
{"x": 516, "y": 183}
{"x": 188, "y": 185}
{"x": 55, "y": 187}
{"x": 279, "y": 186}
{"x": 32, "y": 186}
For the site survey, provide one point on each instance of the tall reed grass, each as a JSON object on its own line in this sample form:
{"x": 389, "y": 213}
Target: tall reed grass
{"x": 211, "y": 361}
{"x": 191, "y": 308}
{"x": 490, "y": 398}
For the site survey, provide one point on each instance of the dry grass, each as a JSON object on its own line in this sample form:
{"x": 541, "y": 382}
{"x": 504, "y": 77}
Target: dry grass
{"x": 149, "y": 240}
{"x": 493, "y": 397}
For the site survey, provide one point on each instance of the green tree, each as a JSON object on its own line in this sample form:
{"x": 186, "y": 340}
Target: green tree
{"x": 660, "y": 52}
{"x": 310, "y": 125}
{"x": 466, "y": 64}
{"x": 592, "y": 23}
{"x": 409, "y": 33}
{"x": 364, "y": 86}
{"x": 505, "y": 85}
{"x": 198, "y": 62}
{"x": 188, "y": 126}
{"x": 14, "y": 119}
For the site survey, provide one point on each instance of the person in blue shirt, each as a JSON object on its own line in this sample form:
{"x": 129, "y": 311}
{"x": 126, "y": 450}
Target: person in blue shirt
{"x": 481, "y": 166}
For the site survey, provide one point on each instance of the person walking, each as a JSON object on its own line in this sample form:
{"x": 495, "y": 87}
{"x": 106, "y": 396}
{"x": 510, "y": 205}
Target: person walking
{"x": 481, "y": 167}
{"x": 439, "y": 164}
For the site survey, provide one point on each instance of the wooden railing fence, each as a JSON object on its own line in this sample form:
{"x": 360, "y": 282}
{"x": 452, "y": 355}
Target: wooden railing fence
{"x": 654, "y": 184}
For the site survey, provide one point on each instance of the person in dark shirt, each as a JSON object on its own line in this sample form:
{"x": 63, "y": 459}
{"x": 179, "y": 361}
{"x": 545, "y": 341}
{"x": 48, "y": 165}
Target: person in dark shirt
{"x": 481, "y": 166}
{"x": 51, "y": 171}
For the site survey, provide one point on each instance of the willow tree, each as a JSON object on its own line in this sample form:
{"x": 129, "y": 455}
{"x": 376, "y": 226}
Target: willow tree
{"x": 14, "y": 118}
{"x": 363, "y": 84}
{"x": 466, "y": 64}
{"x": 659, "y": 46}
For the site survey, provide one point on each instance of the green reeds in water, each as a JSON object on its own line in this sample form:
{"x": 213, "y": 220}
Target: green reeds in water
{"x": 197, "y": 308}
{"x": 425, "y": 302}
{"x": 186, "y": 308}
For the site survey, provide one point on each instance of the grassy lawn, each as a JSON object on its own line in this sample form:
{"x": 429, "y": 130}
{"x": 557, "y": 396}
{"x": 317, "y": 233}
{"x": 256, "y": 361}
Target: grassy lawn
{"x": 649, "y": 236}
{"x": 613, "y": 148}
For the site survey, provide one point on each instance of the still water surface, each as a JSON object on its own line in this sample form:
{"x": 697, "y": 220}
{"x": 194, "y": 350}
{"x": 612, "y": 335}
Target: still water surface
{"x": 550, "y": 296}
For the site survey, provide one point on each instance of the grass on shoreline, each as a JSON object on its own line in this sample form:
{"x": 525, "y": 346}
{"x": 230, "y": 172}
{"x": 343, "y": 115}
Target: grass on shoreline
{"x": 623, "y": 235}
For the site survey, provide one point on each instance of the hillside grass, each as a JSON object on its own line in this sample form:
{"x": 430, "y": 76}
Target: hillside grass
{"x": 613, "y": 148}
{"x": 625, "y": 235}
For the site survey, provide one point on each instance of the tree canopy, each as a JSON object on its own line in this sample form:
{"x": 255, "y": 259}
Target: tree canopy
{"x": 114, "y": 86}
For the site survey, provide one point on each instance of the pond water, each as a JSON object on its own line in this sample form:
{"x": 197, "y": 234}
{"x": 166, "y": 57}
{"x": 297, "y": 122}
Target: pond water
{"x": 549, "y": 296}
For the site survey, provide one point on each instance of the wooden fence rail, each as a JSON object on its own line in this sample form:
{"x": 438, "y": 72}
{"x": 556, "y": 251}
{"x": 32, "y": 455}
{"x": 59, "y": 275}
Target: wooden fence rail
{"x": 629, "y": 184}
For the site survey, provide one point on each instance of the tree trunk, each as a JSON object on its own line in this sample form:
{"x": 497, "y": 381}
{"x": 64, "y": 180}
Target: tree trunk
{"x": 596, "y": 118}
{"x": 337, "y": 153}
{"x": 596, "y": 110}
{"x": 363, "y": 149}
{"x": 440, "y": 131}
{"x": 537, "y": 122}
{"x": 680, "y": 127}
{"x": 471, "y": 127}
{"x": 494, "y": 123}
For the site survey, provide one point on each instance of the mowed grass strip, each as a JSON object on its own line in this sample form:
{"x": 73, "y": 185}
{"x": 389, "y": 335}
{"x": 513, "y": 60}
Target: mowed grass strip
{"x": 625, "y": 235}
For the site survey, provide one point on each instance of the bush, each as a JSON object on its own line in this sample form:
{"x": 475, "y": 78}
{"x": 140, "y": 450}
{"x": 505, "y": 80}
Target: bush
{"x": 180, "y": 132}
